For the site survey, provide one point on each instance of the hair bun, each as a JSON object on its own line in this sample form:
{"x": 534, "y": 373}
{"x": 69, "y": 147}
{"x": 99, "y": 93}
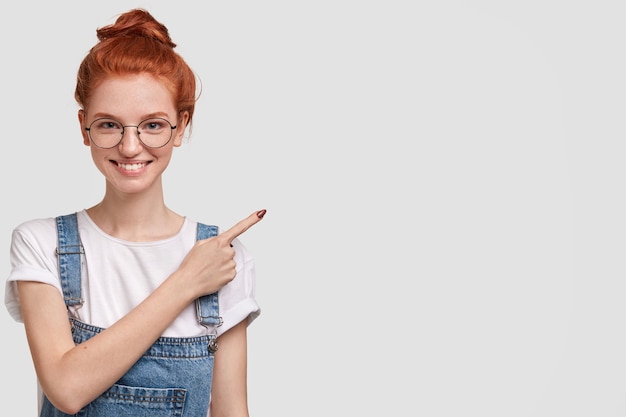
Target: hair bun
{"x": 136, "y": 23}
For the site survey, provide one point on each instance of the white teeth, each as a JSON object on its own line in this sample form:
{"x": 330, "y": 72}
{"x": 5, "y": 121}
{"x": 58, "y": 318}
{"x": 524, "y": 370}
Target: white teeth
{"x": 131, "y": 167}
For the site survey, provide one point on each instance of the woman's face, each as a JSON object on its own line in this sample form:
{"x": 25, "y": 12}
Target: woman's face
{"x": 129, "y": 166}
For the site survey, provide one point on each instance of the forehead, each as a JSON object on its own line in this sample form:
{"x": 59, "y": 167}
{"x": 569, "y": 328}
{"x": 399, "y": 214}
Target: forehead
{"x": 131, "y": 96}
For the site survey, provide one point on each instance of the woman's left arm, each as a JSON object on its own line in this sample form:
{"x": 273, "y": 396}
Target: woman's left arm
{"x": 229, "y": 394}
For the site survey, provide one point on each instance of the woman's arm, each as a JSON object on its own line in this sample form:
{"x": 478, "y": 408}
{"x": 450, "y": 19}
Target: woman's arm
{"x": 229, "y": 395}
{"x": 72, "y": 376}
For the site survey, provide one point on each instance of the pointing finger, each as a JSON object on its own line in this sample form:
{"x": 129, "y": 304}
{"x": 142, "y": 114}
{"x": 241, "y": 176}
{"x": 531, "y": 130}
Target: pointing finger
{"x": 243, "y": 225}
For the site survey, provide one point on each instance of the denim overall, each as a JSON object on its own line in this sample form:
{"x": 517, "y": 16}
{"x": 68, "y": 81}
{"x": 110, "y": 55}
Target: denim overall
{"x": 173, "y": 378}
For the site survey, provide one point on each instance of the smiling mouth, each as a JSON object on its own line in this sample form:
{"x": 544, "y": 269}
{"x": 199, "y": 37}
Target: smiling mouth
{"x": 131, "y": 167}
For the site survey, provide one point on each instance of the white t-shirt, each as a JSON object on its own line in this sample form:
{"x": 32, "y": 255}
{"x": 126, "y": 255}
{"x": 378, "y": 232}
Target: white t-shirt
{"x": 117, "y": 275}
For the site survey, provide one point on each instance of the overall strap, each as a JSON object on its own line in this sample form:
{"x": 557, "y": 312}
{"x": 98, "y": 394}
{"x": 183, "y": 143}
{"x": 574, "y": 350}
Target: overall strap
{"x": 207, "y": 306}
{"x": 69, "y": 251}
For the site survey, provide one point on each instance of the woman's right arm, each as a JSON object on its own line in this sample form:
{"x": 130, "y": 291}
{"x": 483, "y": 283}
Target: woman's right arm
{"x": 74, "y": 375}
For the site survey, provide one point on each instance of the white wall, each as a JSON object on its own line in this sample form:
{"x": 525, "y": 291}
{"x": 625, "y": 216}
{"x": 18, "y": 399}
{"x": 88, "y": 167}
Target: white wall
{"x": 444, "y": 182}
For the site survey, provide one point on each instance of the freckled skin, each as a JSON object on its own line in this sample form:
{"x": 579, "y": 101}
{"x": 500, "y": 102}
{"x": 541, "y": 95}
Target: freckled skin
{"x": 131, "y": 99}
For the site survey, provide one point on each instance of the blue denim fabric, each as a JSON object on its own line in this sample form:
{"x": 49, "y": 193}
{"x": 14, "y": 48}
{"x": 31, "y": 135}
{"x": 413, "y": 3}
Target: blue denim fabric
{"x": 69, "y": 251}
{"x": 173, "y": 378}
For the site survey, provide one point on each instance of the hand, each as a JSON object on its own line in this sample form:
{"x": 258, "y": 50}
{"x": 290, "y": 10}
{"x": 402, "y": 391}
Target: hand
{"x": 210, "y": 264}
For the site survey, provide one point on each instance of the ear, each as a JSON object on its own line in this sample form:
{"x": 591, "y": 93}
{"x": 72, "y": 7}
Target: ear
{"x": 183, "y": 120}
{"x": 81, "y": 121}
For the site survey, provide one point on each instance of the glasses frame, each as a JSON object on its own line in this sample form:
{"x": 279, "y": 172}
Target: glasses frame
{"x": 172, "y": 128}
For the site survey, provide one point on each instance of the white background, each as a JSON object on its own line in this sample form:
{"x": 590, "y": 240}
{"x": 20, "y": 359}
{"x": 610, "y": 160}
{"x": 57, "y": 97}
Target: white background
{"x": 444, "y": 183}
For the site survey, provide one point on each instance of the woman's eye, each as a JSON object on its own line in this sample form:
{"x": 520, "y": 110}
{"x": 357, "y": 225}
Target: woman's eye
{"x": 109, "y": 124}
{"x": 153, "y": 125}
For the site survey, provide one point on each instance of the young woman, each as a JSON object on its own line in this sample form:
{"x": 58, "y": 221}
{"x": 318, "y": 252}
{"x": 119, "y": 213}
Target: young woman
{"x": 131, "y": 309}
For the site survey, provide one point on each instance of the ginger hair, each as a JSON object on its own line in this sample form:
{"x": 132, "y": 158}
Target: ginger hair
{"x": 137, "y": 44}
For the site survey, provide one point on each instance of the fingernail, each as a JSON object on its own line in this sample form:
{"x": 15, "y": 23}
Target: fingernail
{"x": 261, "y": 213}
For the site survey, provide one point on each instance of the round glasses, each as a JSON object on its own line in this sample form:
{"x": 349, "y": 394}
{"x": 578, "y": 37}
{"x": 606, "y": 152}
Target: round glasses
{"x": 108, "y": 133}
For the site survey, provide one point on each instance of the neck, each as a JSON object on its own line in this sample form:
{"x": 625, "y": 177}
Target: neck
{"x": 135, "y": 217}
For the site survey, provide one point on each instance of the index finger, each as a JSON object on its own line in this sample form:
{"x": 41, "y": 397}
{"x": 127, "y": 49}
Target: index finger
{"x": 242, "y": 226}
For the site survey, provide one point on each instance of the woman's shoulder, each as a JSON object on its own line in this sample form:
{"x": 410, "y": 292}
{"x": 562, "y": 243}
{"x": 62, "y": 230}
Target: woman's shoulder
{"x": 33, "y": 242}
{"x": 36, "y": 226}
{"x": 41, "y": 229}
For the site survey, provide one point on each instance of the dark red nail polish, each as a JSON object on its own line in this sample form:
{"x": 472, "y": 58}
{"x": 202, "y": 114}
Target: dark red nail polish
{"x": 261, "y": 213}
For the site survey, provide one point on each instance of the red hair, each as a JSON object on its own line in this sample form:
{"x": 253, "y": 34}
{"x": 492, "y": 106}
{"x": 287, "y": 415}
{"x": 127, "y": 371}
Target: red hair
{"x": 137, "y": 43}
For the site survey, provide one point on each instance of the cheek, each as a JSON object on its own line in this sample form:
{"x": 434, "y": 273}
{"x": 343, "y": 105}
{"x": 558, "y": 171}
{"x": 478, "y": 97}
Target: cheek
{"x": 98, "y": 159}
{"x": 165, "y": 157}
{"x": 98, "y": 155}
{"x": 162, "y": 156}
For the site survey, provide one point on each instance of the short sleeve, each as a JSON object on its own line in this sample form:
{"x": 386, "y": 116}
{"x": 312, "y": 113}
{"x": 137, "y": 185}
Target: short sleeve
{"x": 237, "y": 299}
{"x": 32, "y": 256}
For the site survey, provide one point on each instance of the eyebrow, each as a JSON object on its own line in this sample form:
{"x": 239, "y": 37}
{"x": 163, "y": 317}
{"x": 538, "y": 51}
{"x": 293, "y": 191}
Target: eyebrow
{"x": 102, "y": 115}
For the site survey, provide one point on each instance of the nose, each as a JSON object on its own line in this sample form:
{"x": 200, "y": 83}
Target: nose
{"x": 130, "y": 143}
